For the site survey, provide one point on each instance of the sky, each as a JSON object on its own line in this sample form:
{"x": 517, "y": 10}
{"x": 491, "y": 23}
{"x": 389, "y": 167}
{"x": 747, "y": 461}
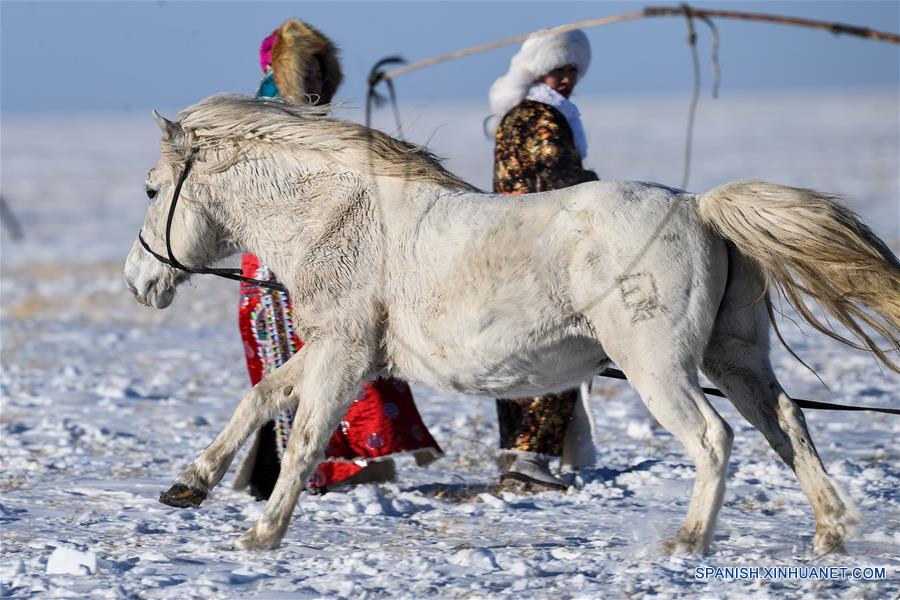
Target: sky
{"x": 78, "y": 57}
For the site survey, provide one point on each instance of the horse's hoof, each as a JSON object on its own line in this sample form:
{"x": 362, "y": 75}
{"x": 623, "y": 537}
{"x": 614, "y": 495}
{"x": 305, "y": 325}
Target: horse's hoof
{"x": 680, "y": 547}
{"x": 182, "y": 496}
{"x": 249, "y": 541}
{"x": 828, "y": 543}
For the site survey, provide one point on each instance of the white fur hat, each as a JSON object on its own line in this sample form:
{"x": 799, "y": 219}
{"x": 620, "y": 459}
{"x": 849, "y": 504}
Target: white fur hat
{"x": 542, "y": 52}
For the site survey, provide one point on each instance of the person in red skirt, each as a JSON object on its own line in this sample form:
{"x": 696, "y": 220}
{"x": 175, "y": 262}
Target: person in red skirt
{"x": 301, "y": 65}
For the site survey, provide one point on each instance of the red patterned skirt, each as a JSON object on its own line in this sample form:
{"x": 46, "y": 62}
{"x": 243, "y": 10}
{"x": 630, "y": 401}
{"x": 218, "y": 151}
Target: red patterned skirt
{"x": 382, "y": 419}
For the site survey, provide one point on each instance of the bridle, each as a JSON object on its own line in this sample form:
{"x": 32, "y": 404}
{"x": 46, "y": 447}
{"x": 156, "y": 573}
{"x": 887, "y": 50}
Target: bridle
{"x": 233, "y": 274}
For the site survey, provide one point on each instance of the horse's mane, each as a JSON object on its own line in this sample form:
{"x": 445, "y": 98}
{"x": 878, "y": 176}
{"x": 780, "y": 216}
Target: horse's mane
{"x": 236, "y": 119}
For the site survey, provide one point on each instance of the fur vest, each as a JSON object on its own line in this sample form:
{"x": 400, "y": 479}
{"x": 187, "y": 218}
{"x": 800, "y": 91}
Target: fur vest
{"x": 535, "y": 151}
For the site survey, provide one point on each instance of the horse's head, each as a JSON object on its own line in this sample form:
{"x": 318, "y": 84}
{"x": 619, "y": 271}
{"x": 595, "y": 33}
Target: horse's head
{"x": 193, "y": 236}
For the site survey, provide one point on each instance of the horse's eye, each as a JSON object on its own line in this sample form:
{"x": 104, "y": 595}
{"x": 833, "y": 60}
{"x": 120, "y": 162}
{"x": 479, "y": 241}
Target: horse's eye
{"x": 151, "y": 193}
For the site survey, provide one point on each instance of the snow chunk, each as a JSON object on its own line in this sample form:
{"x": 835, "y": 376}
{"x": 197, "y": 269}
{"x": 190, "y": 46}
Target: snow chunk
{"x": 844, "y": 468}
{"x": 518, "y": 567}
{"x": 153, "y": 556}
{"x": 16, "y": 568}
{"x": 565, "y": 554}
{"x": 116, "y": 387}
{"x": 69, "y": 561}
{"x": 402, "y": 507}
{"x": 369, "y": 501}
{"x": 639, "y": 430}
{"x": 493, "y": 501}
{"x": 479, "y": 558}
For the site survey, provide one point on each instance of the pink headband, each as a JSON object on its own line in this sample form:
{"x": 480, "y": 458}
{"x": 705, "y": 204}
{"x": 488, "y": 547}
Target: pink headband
{"x": 265, "y": 51}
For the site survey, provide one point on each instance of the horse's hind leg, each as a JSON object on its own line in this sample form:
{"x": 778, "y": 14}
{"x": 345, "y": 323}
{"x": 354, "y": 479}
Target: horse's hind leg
{"x": 674, "y": 397}
{"x": 267, "y": 397}
{"x": 742, "y": 370}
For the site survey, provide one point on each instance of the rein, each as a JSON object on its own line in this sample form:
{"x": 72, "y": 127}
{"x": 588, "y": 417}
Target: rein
{"x": 227, "y": 273}
{"x": 813, "y": 404}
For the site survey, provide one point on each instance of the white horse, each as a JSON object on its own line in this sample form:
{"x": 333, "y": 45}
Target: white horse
{"x": 403, "y": 269}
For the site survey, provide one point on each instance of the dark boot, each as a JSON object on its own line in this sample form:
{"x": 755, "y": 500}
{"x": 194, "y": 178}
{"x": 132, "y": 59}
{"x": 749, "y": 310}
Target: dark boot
{"x": 267, "y": 465}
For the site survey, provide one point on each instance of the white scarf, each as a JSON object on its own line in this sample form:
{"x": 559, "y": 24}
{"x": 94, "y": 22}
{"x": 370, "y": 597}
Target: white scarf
{"x": 543, "y": 93}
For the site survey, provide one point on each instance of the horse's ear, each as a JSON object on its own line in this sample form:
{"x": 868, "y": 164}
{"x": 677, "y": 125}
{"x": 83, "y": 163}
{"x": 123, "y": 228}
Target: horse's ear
{"x": 170, "y": 130}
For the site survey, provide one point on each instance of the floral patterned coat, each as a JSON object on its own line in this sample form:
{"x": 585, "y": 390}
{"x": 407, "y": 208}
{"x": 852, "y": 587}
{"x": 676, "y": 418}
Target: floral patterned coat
{"x": 535, "y": 151}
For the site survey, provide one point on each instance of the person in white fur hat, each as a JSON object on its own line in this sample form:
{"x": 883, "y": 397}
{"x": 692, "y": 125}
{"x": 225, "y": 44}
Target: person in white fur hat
{"x": 540, "y": 145}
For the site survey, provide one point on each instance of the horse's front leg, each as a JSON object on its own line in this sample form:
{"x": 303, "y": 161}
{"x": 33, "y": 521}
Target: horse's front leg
{"x": 259, "y": 404}
{"x": 332, "y": 374}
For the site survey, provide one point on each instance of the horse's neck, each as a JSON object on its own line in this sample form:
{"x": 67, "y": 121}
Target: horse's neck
{"x": 287, "y": 214}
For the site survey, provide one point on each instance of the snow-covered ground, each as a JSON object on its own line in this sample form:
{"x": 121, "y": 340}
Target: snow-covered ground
{"x": 104, "y": 401}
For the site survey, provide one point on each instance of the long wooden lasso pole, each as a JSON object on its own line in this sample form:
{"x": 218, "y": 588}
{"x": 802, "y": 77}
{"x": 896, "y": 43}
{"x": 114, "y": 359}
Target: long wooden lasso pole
{"x": 650, "y": 11}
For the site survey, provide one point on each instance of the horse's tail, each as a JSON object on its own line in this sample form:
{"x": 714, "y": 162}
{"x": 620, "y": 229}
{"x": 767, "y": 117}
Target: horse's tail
{"x": 808, "y": 243}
